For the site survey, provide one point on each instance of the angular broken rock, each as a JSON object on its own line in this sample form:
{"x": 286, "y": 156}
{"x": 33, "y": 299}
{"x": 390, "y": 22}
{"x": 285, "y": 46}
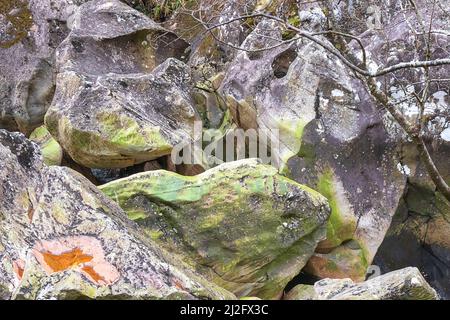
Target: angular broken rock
{"x": 419, "y": 232}
{"x": 61, "y": 238}
{"x": 30, "y": 31}
{"x": 241, "y": 224}
{"x": 278, "y": 91}
{"x": 404, "y": 284}
{"x": 119, "y": 100}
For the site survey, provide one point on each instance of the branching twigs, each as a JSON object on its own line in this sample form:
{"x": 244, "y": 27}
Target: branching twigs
{"x": 345, "y": 54}
{"x": 313, "y": 37}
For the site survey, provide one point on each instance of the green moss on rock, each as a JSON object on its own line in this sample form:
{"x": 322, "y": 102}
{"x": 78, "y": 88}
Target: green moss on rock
{"x": 19, "y": 21}
{"x": 248, "y": 229}
{"x": 121, "y": 140}
{"x": 50, "y": 148}
{"x": 341, "y": 225}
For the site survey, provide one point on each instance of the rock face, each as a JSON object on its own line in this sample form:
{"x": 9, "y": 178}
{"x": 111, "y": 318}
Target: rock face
{"x": 405, "y": 284}
{"x": 61, "y": 238}
{"x": 418, "y": 235}
{"x": 244, "y": 226}
{"x": 363, "y": 184}
{"x": 50, "y": 149}
{"x": 332, "y": 138}
{"x": 30, "y": 31}
{"x": 272, "y": 90}
{"x": 118, "y": 101}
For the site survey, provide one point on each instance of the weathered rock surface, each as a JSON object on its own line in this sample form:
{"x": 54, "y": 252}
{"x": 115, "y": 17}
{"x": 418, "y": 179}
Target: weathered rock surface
{"x": 242, "y": 225}
{"x": 419, "y": 233}
{"x": 331, "y": 136}
{"x": 50, "y": 148}
{"x": 119, "y": 101}
{"x": 405, "y": 284}
{"x": 363, "y": 185}
{"x": 61, "y": 238}
{"x": 273, "y": 90}
{"x": 30, "y": 31}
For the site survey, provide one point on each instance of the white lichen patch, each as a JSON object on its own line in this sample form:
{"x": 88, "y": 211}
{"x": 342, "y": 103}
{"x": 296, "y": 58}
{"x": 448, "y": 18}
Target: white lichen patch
{"x": 445, "y": 135}
{"x": 404, "y": 169}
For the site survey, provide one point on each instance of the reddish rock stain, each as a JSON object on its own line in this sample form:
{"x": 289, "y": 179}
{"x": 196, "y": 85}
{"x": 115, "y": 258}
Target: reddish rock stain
{"x": 19, "y": 267}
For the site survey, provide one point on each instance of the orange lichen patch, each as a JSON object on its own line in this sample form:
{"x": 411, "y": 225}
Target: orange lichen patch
{"x": 178, "y": 284}
{"x": 90, "y": 272}
{"x": 19, "y": 266}
{"x": 81, "y": 253}
{"x": 66, "y": 260}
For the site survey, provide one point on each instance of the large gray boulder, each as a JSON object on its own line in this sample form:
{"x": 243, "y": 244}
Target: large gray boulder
{"x": 273, "y": 90}
{"x": 61, "y": 238}
{"x": 405, "y": 284}
{"x": 119, "y": 101}
{"x": 30, "y": 31}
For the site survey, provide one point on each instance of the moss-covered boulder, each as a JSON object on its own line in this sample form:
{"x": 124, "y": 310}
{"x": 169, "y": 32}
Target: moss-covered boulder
{"x": 61, "y": 238}
{"x": 50, "y": 148}
{"x": 241, "y": 224}
{"x": 347, "y": 155}
{"x": 120, "y": 100}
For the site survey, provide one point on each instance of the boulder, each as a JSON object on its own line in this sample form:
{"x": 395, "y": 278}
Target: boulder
{"x": 418, "y": 234}
{"x": 404, "y": 284}
{"x": 274, "y": 90}
{"x": 345, "y": 261}
{"x": 119, "y": 100}
{"x": 61, "y": 238}
{"x": 30, "y": 31}
{"x": 301, "y": 292}
{"x": 366, "y": 171}
{"x": 240, "y": 224}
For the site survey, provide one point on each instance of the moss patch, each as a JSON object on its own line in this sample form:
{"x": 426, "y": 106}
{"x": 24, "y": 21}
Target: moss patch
{"x": 120, "y": 142}
{"x": 339, "y": 228}
{"x": 125, "y": 132}
{"x": 50, "y": 148}
{"x": 254, "y": 228}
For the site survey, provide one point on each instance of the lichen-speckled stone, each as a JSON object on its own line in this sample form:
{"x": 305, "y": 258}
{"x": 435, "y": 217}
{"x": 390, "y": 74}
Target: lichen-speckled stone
{"x": 404, "y": 284}
{"x": 122, "y": 93}
{"x": 243, "y": 225}
{"x": 30, "y": 31}
{"x": 61, "y": 238}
